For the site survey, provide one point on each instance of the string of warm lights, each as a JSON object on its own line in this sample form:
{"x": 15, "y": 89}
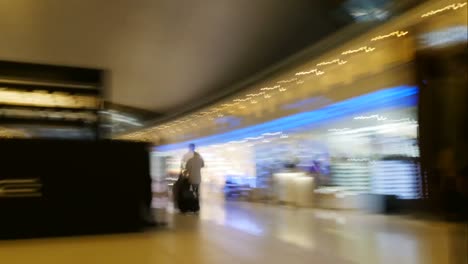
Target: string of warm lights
{"x": 257, "y": 94}
{"x": 446, "y": 8}
{"x": 242, "y": 100}
{"x": 270, "y": 88}
{"x": 335, "y": 61}
{"x": 316, "y": 71}
{"x": 361, "y": 49}
{"x": 230, "y": 105}
{"x": 287, "y": 81}
{"x": 397, "y": 34}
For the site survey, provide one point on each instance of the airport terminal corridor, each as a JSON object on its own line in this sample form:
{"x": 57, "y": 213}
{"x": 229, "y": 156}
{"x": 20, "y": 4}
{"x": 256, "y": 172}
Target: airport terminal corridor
{"x": 234, "y": 132}
{"x": 238, "y": 232}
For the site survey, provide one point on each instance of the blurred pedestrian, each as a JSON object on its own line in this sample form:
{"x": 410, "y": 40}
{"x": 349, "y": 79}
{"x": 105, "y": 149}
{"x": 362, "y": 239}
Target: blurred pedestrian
{"x": 192, "y": 162}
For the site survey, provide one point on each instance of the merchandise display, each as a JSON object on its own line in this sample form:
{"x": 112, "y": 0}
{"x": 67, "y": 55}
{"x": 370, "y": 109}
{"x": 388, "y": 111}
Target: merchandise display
{"x": 396, "y": 177}
{"x": 354, "y": 175}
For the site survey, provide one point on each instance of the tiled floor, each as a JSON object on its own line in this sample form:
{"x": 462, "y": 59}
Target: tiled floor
{"x": 254, "y": 233}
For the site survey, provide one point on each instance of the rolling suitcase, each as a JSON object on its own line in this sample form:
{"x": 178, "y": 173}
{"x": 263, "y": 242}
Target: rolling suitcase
{"x": 187, "y": 200}
{"x": 176, "y": 191}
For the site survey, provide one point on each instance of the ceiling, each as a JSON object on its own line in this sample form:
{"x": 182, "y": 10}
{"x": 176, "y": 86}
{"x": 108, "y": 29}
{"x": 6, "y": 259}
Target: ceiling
{"x": 161, "y": 55}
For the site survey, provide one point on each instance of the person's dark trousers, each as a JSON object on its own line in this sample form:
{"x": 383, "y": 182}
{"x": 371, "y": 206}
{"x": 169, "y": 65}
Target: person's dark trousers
{"x": 196, "y": 190}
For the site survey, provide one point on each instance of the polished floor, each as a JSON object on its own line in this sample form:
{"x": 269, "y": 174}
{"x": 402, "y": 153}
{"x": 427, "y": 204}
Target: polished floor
{"x": 227, "y": 233}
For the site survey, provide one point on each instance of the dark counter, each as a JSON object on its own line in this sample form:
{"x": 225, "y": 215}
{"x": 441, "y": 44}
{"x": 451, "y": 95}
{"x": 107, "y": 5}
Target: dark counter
{"x": 65, "y": 187}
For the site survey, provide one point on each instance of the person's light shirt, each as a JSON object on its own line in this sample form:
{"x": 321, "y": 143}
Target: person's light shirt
{"x": 187, "y": 156}
{"x": 193, "y": 168}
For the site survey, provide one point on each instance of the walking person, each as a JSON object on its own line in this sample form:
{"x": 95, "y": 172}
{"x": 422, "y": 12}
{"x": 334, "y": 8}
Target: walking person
{"x": 192, "y": 163}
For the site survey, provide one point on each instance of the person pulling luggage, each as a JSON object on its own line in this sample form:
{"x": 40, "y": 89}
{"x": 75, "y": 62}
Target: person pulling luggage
{"x": 192, "y": 162}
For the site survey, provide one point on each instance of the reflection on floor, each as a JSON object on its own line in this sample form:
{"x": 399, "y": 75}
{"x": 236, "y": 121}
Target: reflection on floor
{"x": 255, "y": 233}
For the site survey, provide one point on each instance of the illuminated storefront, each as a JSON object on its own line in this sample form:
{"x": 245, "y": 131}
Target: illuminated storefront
{"x": 355, "y": 144}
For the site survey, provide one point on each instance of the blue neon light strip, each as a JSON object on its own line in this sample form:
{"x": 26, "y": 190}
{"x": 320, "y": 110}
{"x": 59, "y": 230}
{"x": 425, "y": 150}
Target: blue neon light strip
{"x": 397, "y": 97}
